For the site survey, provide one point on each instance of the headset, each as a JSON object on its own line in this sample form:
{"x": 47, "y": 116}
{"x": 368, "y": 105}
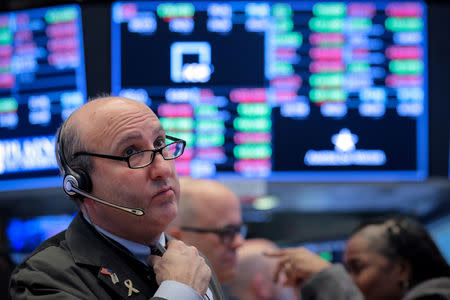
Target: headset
{"x": 77, "y": 183}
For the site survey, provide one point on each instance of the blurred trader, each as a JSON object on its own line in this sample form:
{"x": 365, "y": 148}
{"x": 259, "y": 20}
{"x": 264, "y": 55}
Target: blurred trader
{"x": 118, "y": 162}
{"x": 209, "y": 218}
{"x": 255, "y": 273}
{"x": 390, "y": 258}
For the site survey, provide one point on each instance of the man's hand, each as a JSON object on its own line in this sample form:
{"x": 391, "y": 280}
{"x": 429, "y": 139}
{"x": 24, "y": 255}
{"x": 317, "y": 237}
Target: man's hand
{"x": 298, "y": 264}
{"x": 183, "y": 264}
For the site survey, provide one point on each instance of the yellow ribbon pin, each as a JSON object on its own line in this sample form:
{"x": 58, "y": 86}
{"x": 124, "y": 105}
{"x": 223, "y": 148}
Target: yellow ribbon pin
{"x": 130, "y": 287}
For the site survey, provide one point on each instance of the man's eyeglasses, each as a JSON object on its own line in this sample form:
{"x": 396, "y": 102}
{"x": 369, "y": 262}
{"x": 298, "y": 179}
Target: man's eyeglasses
{"x": 143, "y": 158}
{"x": 226, "y": 234}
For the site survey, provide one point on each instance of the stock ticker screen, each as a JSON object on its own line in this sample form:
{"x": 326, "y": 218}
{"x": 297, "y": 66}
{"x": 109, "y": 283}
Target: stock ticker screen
{"x": 42, "y": 80}
{"x": 286, "y": 91}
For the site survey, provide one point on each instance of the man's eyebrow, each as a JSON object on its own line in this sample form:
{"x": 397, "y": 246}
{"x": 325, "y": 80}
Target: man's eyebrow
{"x": 126, "y": 139}
{"x": 159, "y": 131}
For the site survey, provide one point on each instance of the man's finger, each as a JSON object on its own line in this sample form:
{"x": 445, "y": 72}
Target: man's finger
{"x": 277, "y": 253}
{"x": 152, "y": 259}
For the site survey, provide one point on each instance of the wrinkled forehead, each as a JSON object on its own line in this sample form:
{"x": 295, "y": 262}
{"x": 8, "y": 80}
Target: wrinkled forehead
{"x": 107, "y": 110}
{"x": 103, "y": 119}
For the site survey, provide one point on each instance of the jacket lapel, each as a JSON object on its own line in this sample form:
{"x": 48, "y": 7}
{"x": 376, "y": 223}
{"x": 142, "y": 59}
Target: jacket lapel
{"x": 113, "y": 265}
{"x": 123, "y": 284}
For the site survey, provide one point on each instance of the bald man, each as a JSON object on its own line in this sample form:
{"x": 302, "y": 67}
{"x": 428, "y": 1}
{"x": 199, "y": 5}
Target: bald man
{"x": 117, "y": 161}
{"x": 254, "y": 278}
{"x": 209, "y": 218}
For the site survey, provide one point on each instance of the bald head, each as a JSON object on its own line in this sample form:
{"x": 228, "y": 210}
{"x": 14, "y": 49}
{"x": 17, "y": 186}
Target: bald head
{"x": 202, "y": 201}
{"x": 99, "y": 116}
{"x": 251, "y": 259}
{"x": 255, "y": 273}
{"x": 90, "y": 114}
{"x": 211, "y": 206}
{"x": 256, "y": 248}
{"x": 94, "y": 116}
{"x": 109, "y": 130}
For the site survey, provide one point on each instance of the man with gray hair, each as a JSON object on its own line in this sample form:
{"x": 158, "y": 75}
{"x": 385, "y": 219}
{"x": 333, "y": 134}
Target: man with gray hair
{"x": 209, "y": 218}
{"x": 117, "y": 163}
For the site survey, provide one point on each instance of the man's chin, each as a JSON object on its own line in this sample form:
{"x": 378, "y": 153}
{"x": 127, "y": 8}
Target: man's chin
{"x": 167, "y": 211}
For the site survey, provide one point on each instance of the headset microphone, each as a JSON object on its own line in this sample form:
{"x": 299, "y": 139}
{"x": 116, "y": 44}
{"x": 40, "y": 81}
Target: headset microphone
{"x": 70, "y": 187}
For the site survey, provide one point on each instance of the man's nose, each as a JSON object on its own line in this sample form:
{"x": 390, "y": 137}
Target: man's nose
{"x": 237, "y": 241}
{"x": 161, "y": 168}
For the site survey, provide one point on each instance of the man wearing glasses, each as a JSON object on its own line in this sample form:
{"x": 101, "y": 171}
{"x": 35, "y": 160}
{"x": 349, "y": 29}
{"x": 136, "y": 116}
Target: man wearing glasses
{"x": 209, "y": 218}
{"x": 117, "y": 164}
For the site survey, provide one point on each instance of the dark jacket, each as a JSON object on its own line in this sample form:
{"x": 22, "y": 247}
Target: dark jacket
{"x": 79, "y": 263}
{"x": 334, "y": 283}
{"x": 433, "y": 289}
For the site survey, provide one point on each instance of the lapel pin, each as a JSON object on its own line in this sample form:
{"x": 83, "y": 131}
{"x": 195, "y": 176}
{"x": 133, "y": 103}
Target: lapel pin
{"x": 113, "y": 276}
{"x": 130, "y": 287}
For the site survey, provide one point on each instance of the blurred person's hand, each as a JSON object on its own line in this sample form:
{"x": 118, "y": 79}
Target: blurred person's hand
{"x": 183, "y": 264}
{"x": 298, "y": 265}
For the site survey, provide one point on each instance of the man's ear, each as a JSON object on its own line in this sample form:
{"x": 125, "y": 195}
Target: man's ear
{"x": 404, "y": 270}
{"x": 175, "y": 232}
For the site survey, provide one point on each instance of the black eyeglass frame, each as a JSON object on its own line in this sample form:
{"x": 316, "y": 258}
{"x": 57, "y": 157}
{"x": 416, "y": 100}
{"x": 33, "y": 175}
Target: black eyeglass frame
{"x": 227, "y": 234}
{"x": 127, "y": 158}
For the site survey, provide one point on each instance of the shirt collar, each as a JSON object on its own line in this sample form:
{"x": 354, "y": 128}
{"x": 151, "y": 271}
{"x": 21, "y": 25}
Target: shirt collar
{"x": 140, "y": 251}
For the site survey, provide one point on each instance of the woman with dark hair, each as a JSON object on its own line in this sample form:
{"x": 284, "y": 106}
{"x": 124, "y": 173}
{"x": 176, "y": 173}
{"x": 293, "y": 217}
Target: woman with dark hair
{"x": 392, "y": 258}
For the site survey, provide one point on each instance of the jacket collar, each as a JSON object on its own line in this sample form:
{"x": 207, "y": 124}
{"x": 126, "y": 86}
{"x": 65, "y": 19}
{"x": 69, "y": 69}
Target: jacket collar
{"x": 82, "y": 238}
{"x": 90, "y": 248}
{"x": 112, "y": 263}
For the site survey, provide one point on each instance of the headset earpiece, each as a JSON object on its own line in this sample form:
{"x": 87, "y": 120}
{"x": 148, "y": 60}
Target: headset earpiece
{"x": 77, "y": 183}
{"x": 72, "y": 177}
{"x": 83, "y": 180}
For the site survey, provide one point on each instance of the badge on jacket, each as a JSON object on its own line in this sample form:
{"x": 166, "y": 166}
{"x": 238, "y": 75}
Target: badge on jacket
{"x": 113, "y": 276}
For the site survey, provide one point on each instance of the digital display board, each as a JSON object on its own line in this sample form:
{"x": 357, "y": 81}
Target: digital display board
{"x": 42, "y": 81}
{"x": 285, "y": 91}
